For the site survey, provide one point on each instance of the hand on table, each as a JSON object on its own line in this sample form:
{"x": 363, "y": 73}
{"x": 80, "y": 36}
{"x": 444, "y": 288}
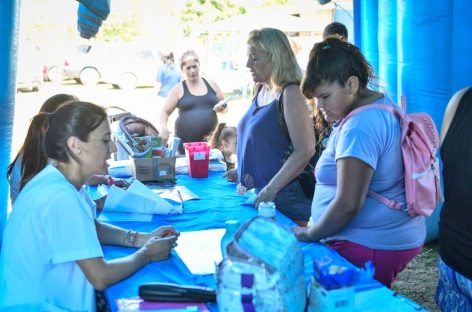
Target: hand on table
{"x": 267, "y": 194}
{"x": 158, "y": 248}
{"x": 231, "y": 175}
{"x": 302, "y": 233}
{"x": 160, "y": 232}
{"x": 121, "y": 183}
{"x": 164, "y": 231}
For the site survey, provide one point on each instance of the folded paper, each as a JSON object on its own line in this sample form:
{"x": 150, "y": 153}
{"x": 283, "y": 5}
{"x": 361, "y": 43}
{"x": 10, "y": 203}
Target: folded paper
{"x": 138, "y": 198}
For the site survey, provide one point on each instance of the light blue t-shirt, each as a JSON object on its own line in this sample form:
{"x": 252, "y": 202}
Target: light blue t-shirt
{"x": 15, "y": 178}
{"x": 51, "y": 227}
{"x": 168, "y": 76}
{"x": 373, "y": 136}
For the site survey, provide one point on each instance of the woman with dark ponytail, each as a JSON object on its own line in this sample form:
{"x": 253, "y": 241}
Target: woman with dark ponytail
{"x": 27, "y": 162}
{"x": 52, "y": 242}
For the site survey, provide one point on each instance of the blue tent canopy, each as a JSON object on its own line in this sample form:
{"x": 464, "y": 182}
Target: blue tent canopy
{"x": 420, "y": 49}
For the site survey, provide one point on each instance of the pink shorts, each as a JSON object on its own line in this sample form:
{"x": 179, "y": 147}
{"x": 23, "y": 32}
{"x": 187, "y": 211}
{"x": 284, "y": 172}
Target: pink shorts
{"x": 387, "y": 263}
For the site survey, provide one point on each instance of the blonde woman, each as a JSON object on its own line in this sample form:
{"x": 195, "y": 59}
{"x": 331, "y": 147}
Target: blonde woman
{"x": 263, "y": 162}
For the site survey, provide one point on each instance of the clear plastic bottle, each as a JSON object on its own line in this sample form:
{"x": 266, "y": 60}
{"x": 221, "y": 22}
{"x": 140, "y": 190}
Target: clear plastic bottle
{"x": 231, "y": 228}
{"x": 267, "y": 210}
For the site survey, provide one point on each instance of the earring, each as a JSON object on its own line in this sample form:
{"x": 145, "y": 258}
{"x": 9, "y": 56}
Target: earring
{"x": 78, "y": 151}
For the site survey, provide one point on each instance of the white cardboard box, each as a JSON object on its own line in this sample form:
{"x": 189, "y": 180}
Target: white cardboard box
{"x": 335, "y": 300}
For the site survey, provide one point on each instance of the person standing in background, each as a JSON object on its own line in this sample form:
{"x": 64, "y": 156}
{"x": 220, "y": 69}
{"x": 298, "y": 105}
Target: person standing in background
{"x": 198, "y": 101}
{"x": 225, "y": 139}
{"x": 167, "y": 75}
{"x": 336, "y": 30}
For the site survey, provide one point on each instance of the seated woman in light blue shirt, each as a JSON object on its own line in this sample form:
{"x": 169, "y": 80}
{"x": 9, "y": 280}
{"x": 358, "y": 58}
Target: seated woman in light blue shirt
{"x": 363, "y": 154}
{"x": 31, "y": 159}
{"x": 51, "y": 256}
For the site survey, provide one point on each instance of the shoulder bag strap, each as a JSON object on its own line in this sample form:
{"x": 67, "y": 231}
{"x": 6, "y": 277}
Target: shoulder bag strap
{"x": 281, "y": 118}
{"x": 255, "y": 90}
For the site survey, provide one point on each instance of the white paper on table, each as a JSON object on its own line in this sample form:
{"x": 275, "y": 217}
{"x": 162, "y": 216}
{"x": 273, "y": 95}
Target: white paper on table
{"x": 173, "y": 194}
{"x": 108, "y": 216}
{"x": 138, "y": 198}
{"x": 200, "y": 250}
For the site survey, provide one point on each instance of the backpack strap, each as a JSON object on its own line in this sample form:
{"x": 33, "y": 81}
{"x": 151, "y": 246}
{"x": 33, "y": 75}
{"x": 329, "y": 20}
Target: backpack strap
{"x": 371, "y": 106}
{"x": 384, "y": 200}
{"x": 391, "y": 203}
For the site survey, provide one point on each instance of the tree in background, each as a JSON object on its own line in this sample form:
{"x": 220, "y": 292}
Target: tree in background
{"x": 197, "y": 13}
{"x": 120, "y": 29}
{"x": 193, "y": 14}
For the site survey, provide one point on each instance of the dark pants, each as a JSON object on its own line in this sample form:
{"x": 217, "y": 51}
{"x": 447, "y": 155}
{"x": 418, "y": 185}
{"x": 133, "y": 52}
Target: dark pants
{"x": 291, "y": 201}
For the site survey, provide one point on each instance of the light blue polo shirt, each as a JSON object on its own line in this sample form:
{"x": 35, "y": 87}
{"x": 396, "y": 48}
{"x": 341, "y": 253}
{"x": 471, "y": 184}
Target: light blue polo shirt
{"x": 51, "y": 227}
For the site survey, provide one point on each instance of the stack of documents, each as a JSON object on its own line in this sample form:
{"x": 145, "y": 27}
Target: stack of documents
{"x": 139, "y": 203}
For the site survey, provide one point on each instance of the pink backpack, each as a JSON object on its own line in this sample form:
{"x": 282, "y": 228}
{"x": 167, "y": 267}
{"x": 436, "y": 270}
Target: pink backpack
{"x": 420, "y": 145}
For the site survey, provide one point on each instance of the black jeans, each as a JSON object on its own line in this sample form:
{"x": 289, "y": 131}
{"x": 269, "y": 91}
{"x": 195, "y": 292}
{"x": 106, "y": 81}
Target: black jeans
{"x": 101, "y": 301}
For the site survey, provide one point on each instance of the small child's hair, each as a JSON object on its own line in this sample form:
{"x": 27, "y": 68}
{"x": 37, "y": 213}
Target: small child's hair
{"x": 222, "y": 133}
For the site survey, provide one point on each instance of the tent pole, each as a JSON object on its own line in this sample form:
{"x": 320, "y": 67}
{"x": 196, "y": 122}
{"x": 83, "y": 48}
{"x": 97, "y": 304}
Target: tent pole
{"x": 9, "y": 20}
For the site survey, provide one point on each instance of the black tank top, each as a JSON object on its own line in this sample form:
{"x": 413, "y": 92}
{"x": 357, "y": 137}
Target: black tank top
{"x": 197, "y": 119}
{"x": 455, "y": 223}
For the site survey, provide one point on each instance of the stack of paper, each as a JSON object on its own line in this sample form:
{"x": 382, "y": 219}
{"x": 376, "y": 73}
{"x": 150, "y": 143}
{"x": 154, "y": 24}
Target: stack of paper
{"x": 136, "y": 203}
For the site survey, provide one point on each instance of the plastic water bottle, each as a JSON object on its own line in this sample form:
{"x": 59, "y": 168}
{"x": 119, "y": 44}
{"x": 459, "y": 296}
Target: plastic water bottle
{"x": 231, "y": 228}
{"x": 267, "y": 210}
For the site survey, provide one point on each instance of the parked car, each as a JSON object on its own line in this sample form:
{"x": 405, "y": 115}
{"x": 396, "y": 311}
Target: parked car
{"x": 83, "y": 65}
{"x": 52, "y": 56}
{"x": 122, "y": 66}
{"x": 129, "y": 68}
{"x": 53, "y": 72}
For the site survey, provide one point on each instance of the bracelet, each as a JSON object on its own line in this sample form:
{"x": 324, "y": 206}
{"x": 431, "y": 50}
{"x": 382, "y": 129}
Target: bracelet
{"x": 132, "y": 237}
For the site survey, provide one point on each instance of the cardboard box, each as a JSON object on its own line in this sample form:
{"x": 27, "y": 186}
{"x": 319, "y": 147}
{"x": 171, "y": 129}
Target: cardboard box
{"x": 153, "y": 169}
{"x": 335, "y": 300}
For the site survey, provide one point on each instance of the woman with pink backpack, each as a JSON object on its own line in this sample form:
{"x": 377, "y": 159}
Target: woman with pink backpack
{"x": 362, "y": 155}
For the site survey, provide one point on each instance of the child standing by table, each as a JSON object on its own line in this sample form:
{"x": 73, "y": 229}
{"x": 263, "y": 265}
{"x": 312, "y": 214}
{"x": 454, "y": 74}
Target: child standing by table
{"x": 225, "y": 139}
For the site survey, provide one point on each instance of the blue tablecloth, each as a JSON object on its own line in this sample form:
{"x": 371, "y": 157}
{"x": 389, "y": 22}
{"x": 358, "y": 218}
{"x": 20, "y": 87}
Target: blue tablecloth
{"x": 218, "y": 202}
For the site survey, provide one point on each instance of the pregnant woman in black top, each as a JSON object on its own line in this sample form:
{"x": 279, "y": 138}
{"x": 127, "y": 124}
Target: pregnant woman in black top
{"x": 198, "y": 101}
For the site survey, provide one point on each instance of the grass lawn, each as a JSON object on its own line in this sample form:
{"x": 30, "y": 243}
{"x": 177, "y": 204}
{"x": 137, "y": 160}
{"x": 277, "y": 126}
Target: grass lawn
{"x": 418, "y": 281}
